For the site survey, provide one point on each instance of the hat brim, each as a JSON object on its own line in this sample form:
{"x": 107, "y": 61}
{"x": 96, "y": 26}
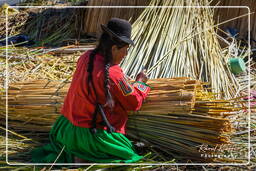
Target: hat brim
{"x": 122, "y": 38}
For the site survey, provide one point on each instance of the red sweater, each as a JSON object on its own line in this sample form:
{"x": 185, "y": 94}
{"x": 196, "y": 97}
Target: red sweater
{"x": 79, "y": 106}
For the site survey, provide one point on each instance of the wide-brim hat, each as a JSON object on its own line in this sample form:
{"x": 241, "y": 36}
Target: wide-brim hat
{"x": 120, "y": 29}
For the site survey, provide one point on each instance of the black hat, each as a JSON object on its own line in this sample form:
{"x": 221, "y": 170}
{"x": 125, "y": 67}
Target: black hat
{"x": 120, "y": 29}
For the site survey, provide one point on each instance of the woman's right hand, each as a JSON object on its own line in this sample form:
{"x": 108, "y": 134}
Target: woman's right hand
{"x": 142, "y": 76}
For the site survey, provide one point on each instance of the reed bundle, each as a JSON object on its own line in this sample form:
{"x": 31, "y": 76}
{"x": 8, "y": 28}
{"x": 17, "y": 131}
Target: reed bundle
{"x": 178, "y": 42}
{"x": 177, "y": 116}
{"x": 184, "y": 122}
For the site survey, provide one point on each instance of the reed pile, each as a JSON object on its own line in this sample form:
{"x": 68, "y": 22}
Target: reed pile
{"x": 26, "y": 64}
{"x": 15, "y": 23}
{"x": 46, "y": 27}
{"x": 54, "y": 27}
{"x": 177, "y": 116}
{"x": 188, "y": 118}
{"x": 180, "y": 42}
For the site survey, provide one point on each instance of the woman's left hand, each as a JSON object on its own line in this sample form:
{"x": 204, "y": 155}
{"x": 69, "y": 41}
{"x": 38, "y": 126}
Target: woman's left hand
{"x": 142, "y": 76}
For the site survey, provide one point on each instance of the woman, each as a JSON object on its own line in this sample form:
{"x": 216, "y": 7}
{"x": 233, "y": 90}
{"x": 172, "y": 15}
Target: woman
{"x": 94, "y": 114}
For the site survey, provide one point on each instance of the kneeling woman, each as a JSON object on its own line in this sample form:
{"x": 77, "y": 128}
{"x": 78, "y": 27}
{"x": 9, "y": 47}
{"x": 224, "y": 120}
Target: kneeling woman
{"x": 94, "y": 114}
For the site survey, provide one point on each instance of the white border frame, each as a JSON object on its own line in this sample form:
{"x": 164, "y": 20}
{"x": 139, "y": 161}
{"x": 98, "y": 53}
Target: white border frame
{"x": 160, "y": 164}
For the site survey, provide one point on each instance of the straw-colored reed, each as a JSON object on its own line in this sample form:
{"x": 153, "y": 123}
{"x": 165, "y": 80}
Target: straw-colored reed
{"x": 178, "y": 42}
{"x": 177, "y": 116}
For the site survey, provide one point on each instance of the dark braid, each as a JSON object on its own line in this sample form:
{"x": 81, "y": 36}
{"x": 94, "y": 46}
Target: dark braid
{"x": 109, "y": 99}
{"x": 105, "y": 48}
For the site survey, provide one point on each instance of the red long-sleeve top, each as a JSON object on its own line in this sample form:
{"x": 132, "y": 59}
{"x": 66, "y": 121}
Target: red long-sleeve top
{"x": 79, "y": 104}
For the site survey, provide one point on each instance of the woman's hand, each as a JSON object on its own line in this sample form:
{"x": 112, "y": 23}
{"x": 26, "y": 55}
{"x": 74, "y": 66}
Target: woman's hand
{"x": 142, "y": 76}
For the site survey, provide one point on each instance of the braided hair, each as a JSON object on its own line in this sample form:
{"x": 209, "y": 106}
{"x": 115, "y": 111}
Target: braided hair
{"x": 104, "y": 47}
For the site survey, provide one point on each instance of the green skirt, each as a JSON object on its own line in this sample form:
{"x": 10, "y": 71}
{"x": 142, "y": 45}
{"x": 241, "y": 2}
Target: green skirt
{"x": 67, "y": 141}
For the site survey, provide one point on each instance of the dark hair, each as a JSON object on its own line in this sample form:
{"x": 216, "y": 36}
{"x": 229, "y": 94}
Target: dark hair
{"x": 104, "y": 47}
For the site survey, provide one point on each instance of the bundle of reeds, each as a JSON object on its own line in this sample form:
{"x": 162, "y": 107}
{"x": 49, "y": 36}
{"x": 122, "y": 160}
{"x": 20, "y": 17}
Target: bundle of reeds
{"x": 180, "y": 41}
{"x": 177, "y": 115}
{"x": 185, "y": 121}
{"x": 34, "y": 104}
